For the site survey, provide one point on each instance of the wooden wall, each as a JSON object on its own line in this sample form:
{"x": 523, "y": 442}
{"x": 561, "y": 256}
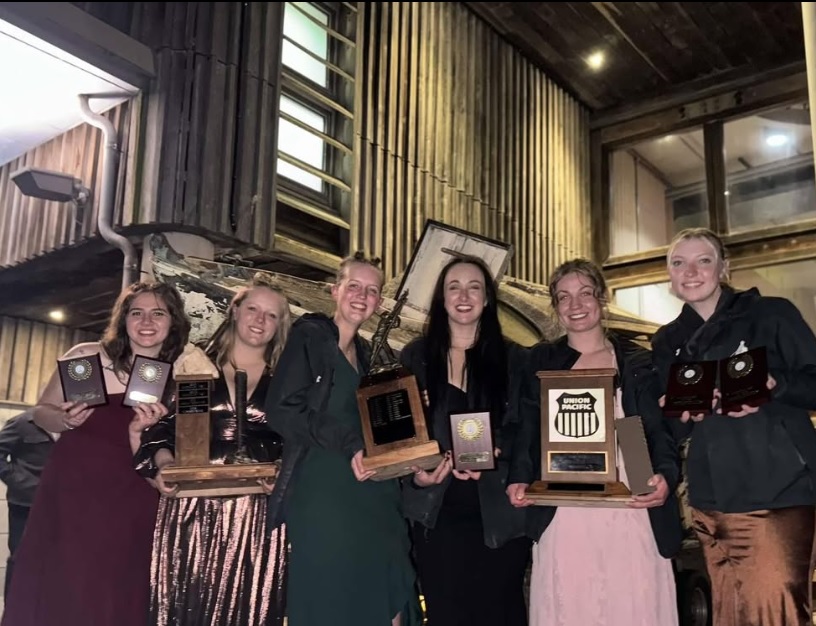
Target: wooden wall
{"x": 456, "y": 126}
{"x": 30, "y": 351}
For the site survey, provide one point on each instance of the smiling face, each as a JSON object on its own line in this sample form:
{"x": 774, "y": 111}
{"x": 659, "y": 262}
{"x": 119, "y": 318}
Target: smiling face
{"x": 695, "y": 269}
{"x": 148, "y": 324}
{"x": 577, "y": 304}
{"x": 257, "y": 316}
{"x": 465, "y": 296}
{"x": 358, "y": 294}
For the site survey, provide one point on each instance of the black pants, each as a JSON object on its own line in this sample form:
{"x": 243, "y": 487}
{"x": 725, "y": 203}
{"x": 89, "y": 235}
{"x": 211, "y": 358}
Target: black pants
{"x": 17, "y": 517}
{"x": 464, "y": 582}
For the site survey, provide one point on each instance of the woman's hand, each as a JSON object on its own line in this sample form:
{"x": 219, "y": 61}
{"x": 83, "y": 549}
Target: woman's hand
{"x": 426, "y": 479}
{"x": 75, "y": 414}
{"x": 656, "y": 498}
{"x": 686, "y": 416}
{"x": 267, "y": 484}
{"x": 466, "y": 474}
{"x": 360, "y": 472}
{"x": 163, "y": 458}
{"x": 517, "y": 494}
{"x": 746, "y": 409}
{"x": 146, "y": 415}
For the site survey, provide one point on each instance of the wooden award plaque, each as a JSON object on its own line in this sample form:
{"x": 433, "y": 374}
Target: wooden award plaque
{"x": 148, "y": 381}
{"x": 690, "y": 388}
{"x": 472, "y": 439}
{"x": 744, "y": 380}
{"x": 193, "y": 472}
{"x": 394, "y": 429}
{"x": 578, "y": 443}
{"x": 83, "y": 380}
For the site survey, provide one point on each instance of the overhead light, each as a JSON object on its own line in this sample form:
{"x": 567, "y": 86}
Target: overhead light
{"x": 596, "y": 60}
{"x": 776, "y": 140}
{"x": 57, "y": 315}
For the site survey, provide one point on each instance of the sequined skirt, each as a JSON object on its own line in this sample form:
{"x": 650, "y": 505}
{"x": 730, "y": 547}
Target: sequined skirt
{"x": 214, "y": 565}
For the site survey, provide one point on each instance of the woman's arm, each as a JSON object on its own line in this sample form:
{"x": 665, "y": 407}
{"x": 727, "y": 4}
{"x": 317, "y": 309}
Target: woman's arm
{"x": 792, "y": 358}
{"x": 289, "y": 407}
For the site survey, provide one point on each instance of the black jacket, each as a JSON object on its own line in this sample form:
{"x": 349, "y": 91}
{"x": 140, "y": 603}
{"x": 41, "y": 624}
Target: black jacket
{"x": 24, "y": 451}
{"x": 765, "y": 460}
{"x": 501, "y": 521}
{"x": 640, "y": 391}
{"x": 298, "y": 396}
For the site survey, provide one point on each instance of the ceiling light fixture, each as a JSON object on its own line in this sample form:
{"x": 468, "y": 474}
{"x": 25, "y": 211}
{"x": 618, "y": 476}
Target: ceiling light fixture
{"x": 56, "y": 315}
{"x": 596, "y": 60}
{"x": 776, "y": 140}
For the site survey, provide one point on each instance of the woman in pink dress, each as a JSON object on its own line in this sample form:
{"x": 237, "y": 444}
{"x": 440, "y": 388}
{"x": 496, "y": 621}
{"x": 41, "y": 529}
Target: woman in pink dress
{"x": 599, "y": 566}
{"x": 85, "y": 555}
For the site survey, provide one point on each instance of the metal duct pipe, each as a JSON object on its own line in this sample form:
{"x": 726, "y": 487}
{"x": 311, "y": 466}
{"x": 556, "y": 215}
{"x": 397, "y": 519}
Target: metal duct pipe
{"x": 809, "y": 24}
{"x": 106, "y": 202}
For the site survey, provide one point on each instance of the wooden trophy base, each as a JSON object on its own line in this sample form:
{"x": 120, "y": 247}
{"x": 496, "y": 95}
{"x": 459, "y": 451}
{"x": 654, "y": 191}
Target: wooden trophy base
{"x": 218, "y": 480}
{"x": 609, "y": 495}
{"x": 399, "y": 462}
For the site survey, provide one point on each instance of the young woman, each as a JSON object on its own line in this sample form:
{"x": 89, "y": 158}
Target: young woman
{"x": 85, "y": 554}
{"x": 470, "y": 544}
{"x": 750, "y": 472}
{"x": 350, "y": 561}
{"x": 586, "y": 561}
{"x": 213, "y": 562}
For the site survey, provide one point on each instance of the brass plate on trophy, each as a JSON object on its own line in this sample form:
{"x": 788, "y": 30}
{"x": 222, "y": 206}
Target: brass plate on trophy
{"x": 219, "y": 480}
{"x": 148, "y": 381}
{"x": 472, "y": 438}
{"x": 744, "y": 380}
{"x": 83, "y": 380}
{"x": 393, "y": 421}
{"x": 690, "y": 388}
{"x": 193, "y": 420}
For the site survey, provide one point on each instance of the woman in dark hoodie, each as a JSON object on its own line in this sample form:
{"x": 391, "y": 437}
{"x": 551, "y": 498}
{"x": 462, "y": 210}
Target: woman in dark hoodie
{"x": 469, "y": 542}
{"x": 750, "y": 472}
{"x": 350, "y": 561}
{"x": 585, "y": 561}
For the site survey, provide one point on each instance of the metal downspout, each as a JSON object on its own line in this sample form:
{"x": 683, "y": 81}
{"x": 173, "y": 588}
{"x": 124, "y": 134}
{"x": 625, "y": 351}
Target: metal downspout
{"x": 106, "y": 202}
{"x": 809, "y": 27}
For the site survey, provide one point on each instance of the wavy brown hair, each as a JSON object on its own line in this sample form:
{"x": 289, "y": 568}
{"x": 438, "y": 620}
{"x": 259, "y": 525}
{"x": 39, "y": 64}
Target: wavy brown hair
{"x": 115, "y": 341}
{"x": 220, "y": 346}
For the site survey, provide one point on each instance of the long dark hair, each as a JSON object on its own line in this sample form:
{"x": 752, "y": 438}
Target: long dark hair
{"x": 115, "y": 339}
{"x": 486, "y": 359}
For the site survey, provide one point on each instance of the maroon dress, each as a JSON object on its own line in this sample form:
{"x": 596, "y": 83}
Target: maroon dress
{"x": 85, "y": 555}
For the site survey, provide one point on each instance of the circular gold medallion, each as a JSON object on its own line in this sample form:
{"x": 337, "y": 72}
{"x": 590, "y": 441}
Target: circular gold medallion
{"x": 689, "y": 374}
{"x": 470, "y": 429}
{"x": 740, "y": 365}
{"x": 80, "y": 369}
{"x": 150, "y": 372}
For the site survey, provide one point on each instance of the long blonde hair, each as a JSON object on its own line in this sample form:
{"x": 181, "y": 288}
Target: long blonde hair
{"x": 222, "y": 343}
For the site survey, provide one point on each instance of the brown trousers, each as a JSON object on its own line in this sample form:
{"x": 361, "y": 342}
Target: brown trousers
{"x": 760, "y": 563}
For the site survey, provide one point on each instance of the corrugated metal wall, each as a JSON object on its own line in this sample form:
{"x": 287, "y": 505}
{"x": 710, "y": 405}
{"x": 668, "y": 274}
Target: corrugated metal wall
{"x": 458, "y": 127}
{"x": 30, "y": 352}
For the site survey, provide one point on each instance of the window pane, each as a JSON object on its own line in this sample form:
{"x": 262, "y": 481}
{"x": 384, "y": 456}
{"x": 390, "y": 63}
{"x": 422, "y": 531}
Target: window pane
{"x": 658, "y": 187}
{"x": 309, "y": 35}
{"x": 301, "y": 144}
{"x": 793, "y": 281}
{"x": 769, "y": 165}
{"x": 653, "y": 303}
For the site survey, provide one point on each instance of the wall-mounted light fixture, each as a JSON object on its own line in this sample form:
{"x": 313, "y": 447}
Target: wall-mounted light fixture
{"x": 55, "y": 186}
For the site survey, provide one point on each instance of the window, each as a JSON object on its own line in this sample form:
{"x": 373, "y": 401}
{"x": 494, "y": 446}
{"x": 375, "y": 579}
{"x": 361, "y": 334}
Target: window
{"x": 658, "y": 187}
{"x": 653, "y": 303}
{"x": 299, "y": 143}
{"x": 769, "y": 169}
{"x": 306, "y": 44}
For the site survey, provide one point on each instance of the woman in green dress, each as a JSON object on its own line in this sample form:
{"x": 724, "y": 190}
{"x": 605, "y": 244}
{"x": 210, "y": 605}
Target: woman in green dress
{"x": 350, "y": 550}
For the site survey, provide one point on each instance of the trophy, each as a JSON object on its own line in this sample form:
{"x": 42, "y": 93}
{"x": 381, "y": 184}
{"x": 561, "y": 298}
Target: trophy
{"x": 193, "y": 472}
{"x": 83, "y": 380}
{"x": 690, "y": 388}
{"x": 148, "y": 381}
{"x": 578, "y": 441}
{"x": 744, "y": 380}
{"x": 393, "y": 418}
{"x": 472, "y": 438}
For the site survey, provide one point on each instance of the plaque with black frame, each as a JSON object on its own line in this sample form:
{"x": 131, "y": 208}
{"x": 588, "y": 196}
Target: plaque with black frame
{"x": 394, "y": 429}
{"x": 578, "y": 441}
{"x": 744, "y": 380}
{"x": 690, "y": 387}
{"x": 83, "y": 380}
{"x": 148, "y": 381}
{"x": 193, "y": 472}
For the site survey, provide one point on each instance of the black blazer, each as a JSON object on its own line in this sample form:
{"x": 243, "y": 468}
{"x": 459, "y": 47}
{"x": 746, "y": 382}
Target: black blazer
{"x": 640, "y": 391}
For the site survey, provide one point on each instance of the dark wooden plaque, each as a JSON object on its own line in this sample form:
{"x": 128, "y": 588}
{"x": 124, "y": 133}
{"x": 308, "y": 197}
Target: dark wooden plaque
{"x": 193, "y": 419}
{"x": 83, "y": 380}
{"x": 472, "y": 439}
{"x": 148, "y": 381}
{"x": 690, "y": 388}
{"x": 744, "y": 380}
{"x": 394, "y": 429}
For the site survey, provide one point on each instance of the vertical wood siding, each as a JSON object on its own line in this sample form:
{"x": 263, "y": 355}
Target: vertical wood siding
{"x": 456, "y": 126}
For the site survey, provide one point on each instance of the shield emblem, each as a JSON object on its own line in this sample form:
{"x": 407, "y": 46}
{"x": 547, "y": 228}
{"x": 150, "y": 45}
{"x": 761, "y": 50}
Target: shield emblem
{"x": 576, "y": 416}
